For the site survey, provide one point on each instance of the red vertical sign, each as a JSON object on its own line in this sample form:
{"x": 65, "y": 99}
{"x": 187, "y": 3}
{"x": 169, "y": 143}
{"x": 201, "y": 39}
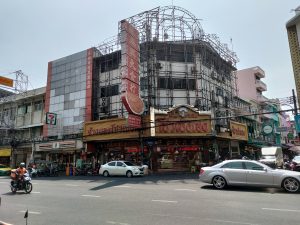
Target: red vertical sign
{"x": 89, "y": 73}
{"x": 130, "y": 86}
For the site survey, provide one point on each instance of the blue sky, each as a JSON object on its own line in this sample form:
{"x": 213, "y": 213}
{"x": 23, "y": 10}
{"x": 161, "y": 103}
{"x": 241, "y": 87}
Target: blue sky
{"x": 34, "y": 32}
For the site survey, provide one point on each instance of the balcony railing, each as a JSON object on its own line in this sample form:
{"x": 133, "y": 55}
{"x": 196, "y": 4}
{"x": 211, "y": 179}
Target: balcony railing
{"x": 262, "y": 98}
{"x": 260, "y": 85}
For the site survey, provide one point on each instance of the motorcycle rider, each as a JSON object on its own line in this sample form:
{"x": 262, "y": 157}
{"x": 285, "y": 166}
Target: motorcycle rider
{"x": 20, "y": 171}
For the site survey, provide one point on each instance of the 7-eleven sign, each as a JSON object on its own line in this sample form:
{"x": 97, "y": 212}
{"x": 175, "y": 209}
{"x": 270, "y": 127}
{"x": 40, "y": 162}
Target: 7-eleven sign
{"x": 51, "y": 118}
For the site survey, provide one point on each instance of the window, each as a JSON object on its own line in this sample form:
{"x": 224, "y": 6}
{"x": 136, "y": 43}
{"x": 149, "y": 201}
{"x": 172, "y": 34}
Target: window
{"x": 38, "y": 106}
{"x": 233, "y": 165}
{"x": 111, "y": 164}
{"x": 120, "y": 164}
{"x": 177, "y": 83}
{"x": 253, "y": 166}
{"x": 109, "y": 91}
{"x": 28, "y": 108}
{"x": 21, "y": 110}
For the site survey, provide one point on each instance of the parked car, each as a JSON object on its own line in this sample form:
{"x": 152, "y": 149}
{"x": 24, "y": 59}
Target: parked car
{"x": 121, "y": 168}
{"x": 4, "y": 170}
{"x": 295, "y": 163}
{"x": 272, "y": 156}
{"x": 249, "y": 173}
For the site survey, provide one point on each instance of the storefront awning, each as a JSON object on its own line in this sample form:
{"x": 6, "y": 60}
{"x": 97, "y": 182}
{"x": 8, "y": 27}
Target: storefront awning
{"x": 5, "y": 152}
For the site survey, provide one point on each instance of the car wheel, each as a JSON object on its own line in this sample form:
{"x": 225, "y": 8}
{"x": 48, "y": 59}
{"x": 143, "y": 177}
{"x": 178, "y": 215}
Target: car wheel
{"x": 105, "y": 173}
{"x": 129, "y": 174}
{"x": 291, "y": 184}
{"x": 219, "y": 182}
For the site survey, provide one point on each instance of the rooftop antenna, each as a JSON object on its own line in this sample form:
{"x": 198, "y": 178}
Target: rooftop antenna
{"x": 231, "y": 44}
{"x": 295, "y": 10}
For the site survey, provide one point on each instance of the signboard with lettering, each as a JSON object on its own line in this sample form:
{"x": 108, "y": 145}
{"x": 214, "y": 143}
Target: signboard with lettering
{"x": 6, "y": 81}
{"x": 88, "y": 96}
{"x": 51, "y": 118}
{"x": 109, "y": 130}
{"x": 134, "y": 121}
{"x": 130, "y": 86}
{"x": 297, "y": 123}
{"x": 183, "y": 121}
{"x": 239, "y": 131}
{"x": 282, "y": 129}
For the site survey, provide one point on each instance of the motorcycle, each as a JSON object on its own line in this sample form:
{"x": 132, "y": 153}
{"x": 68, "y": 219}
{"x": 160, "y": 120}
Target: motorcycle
{"x": 23, "y": 184}
{"x": 32, "y": 172}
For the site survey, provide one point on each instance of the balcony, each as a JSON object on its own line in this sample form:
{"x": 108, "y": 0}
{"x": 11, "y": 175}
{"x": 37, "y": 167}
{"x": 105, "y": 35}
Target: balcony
{"x": 261, "y": 98}
{"x": 259, "y": 72}
{"x": 261, "y": 86}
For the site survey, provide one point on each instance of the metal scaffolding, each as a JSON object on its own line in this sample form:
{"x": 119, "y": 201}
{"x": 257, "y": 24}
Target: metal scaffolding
{"x": 179, "y": 64}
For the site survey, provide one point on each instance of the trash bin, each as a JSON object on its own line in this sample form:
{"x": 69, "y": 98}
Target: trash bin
{"x": 146, "y": 169}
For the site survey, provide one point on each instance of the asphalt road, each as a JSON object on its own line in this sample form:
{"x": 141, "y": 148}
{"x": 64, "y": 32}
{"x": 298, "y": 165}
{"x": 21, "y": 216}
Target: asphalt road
{"x": 151, "y": 200}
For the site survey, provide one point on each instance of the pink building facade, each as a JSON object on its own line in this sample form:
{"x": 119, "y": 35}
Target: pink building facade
{"x": 250, "y": 85}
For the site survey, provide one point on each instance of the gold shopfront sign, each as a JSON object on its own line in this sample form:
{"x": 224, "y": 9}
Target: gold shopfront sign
{"x": 108, "y": 130}
{"x": 182, "y": 121}
{"x": 239, "y": 131}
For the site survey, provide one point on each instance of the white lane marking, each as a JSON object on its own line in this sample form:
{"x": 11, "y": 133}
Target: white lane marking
{"x": 190, "y": 217}
{"x": 233, "y": 222}
{"x": 283, "y": 210}
{"x": 114, "y": 222}
{"x": 173, "y": 216}
{"x": 122, "y": 186}
{"x": 35, "y": 192}
{"x": 165, "y": 201}
{"x": 93, "y": 196}
{"x": 4, "y": 223}
{"x": 184, "y": 190}
{"x": 72, "y": 185}
{"x": 2, "y": 182}
{"x": 31, "y": 212}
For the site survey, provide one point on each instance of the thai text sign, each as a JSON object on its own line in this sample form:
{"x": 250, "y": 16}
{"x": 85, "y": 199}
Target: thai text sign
{"x": 130, "y": 86}
{"x": 297, "y": 123}
{"x": 88, "y": 96}
{"x": 134, "y": 121}
{"x": 239, "y": 131}
{"x": 184, "y": 122}
{"x": 6, "y": 81}
{"x": 108, "y": 130}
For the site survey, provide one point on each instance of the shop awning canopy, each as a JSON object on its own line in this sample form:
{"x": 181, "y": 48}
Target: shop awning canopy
{"x": 5, "y": 152}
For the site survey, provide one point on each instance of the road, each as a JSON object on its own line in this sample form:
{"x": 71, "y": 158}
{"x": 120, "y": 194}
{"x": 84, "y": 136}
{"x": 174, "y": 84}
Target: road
{"x": 151, "y": 200}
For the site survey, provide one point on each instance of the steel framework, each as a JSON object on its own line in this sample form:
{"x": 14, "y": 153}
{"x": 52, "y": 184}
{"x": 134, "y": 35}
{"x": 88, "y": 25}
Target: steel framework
{"x": 179, "y": 64}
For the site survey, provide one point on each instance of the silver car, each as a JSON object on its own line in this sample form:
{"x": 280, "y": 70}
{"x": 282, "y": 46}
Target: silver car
{"x": 121, "y": 168}
{"x": 249, "y": 173}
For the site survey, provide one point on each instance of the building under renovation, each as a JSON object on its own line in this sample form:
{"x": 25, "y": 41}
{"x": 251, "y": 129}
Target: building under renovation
{"x": 183, "y": 74}
{"x": 179, "y": 64}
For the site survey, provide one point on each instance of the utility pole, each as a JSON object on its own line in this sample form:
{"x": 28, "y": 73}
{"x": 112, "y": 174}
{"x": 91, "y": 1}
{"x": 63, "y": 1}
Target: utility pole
{"x": 295, "y": 102}
{"x": 297, "y": 117}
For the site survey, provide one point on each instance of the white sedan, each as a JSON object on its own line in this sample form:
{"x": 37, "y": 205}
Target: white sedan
{"x": 121, "y": 168}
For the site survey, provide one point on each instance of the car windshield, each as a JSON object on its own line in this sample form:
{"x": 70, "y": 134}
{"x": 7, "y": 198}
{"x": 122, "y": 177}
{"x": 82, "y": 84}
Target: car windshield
{"x": 129, "y": 163}
{"x": 296, "y": 158}
{"x": 268, "y": 157}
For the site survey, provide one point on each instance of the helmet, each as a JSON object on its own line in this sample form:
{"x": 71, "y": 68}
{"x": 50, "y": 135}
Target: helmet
{"x": 22, "y": 164}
